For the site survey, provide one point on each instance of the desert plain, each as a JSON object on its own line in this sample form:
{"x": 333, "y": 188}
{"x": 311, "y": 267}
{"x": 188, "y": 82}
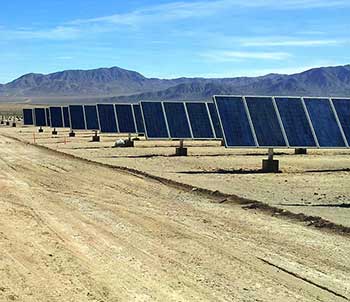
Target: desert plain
{"x": 83, "y": 221}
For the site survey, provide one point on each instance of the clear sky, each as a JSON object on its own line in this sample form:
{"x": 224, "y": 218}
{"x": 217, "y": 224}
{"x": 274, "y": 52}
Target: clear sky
{"x": 207, "y": 38}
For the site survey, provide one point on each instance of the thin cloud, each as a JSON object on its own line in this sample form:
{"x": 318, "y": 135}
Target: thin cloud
{"x": 237, "y": 56}
{"x": 285, "y": 43}
{"x": 199, "y": 9}
{"x": 57, "y": 33}
{"x": 65, "y": 58}
{"x": 160, "y": 14}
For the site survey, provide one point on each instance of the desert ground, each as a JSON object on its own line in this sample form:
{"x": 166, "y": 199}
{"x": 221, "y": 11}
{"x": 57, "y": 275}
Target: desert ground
{"x": 82, "y": 221}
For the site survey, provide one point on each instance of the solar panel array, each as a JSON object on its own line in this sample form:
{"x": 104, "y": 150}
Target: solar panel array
{"x": 243, "y": 121}
{"x": 284, "y": 122}
{"x": 119, "y": 118}
{"x": 179, "y": 120}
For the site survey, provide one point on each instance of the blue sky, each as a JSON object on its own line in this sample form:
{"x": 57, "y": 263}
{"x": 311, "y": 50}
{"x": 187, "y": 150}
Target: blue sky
{"x": 217, "y": 38}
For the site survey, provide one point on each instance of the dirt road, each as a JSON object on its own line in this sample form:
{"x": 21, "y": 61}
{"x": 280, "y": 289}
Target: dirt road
{"x": 74, "y": 231}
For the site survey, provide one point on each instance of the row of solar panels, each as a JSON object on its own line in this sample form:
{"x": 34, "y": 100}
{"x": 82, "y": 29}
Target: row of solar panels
{"x": 158, "y": 120}
{"x": 264, "y": 122}
{"x": 294, "y": 122}
{"x": 108, "y": 118}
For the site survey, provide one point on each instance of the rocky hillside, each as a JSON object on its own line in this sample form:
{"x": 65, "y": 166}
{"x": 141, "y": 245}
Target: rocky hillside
{"x": 116, "y": 84}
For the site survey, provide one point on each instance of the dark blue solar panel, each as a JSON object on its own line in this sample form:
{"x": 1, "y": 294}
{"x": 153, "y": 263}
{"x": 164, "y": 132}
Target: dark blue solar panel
{"x": 177, "y": 120}
{"x": 199, "y": 120}
{"x": 27, "y": 117}
{"x": 66, "y": 117}
{"x": 235, "y": 123}
{"x": 76, "y": 114}
{"x": 295, "y": 122}
{"x": 138, "y": 119}
{"x": 265, "y": 122}
{"x": 56, "y": 117}
{"x": 106, "y": 116}
{"x": 324, "y": 123}
{"x": 215, "y": 120}
{"x": 155, "y": 124}
{"x": 342, "y": 106}
{"x": 40, "y": 117}
{"x": 125, "y": 118}
{"x": 48, "y": 117}
{"x": 91, "y": 117}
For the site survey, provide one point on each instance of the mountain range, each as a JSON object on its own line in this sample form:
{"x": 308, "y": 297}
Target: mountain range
{"x": 117, "y": 84}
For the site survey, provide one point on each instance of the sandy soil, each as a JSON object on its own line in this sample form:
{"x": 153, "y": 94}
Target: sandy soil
{"x": 316, "y": 184}
{"x": 75, "y": 231}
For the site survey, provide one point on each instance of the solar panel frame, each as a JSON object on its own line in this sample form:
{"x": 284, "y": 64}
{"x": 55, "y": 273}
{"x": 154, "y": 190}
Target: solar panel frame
{"x": 99, "y": 118}
{"x": 209, "y": 118}
{"x": 145, "y": 123}
{"x": 36, "y": 123}
{"x": 307, "y": 115}
{"x": 309, "y": 123}
{"x": 118, "y": 120}
{"x": 168, "y": 121}
{"x": 24, "y": 117}
{"x": 339, "y": 123}
{"x": 257, "y": 126}
{"x": 52, "y": 124}
{"x": 252, "y": 130}
{"x": 70, "y": 117}
{"x": 138, "y": 119}
{"x": 217, "y": 128}
{"x": 66, "y": 120}
{"x": 345, "y": 132}
{"x": 336, "y": 120}
{"x": 48, "y": 117}
{"x": 87, "y": 127}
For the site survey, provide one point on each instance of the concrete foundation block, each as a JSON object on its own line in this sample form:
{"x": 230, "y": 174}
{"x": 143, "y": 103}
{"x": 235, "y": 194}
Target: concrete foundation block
{"x": 300, "y": 151}
{"x": 181, "y": 152}
{"x": 96, "y": 138}
{"x": 270, "y": 166}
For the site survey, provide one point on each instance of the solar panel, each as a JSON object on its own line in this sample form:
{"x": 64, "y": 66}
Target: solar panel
{"x": 324, "y": 122}
{"x": 77, "y": 119}
{"x": 154, "y": 119}
{"x": 295, "y": 122}
{"x": 177, "y": 120}
{"x": 91, "y": 117}
{"x": 27, "y": 117}
{"x": 215, "y": 119}
{"x": 66, "y": 121}
{"x": 342, "y": 107}
{"x": 40, "y": 117}
{"x": 56, "y": 117}
{"x": 48, "y": 117}
{"x": 138, "y": 118}
{"x": 125, "y": 118}
{"x": 107, "y": 119}
{"x": 237, "y": 131}
{"x": 265, "y": 122}
{"x": 200, "y": 122}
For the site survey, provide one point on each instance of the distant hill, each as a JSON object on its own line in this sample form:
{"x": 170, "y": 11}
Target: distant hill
{"x": 117, "y": 84}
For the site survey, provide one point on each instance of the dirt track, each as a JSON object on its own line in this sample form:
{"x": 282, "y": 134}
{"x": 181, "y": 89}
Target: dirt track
{"x": 73, "y": 231}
